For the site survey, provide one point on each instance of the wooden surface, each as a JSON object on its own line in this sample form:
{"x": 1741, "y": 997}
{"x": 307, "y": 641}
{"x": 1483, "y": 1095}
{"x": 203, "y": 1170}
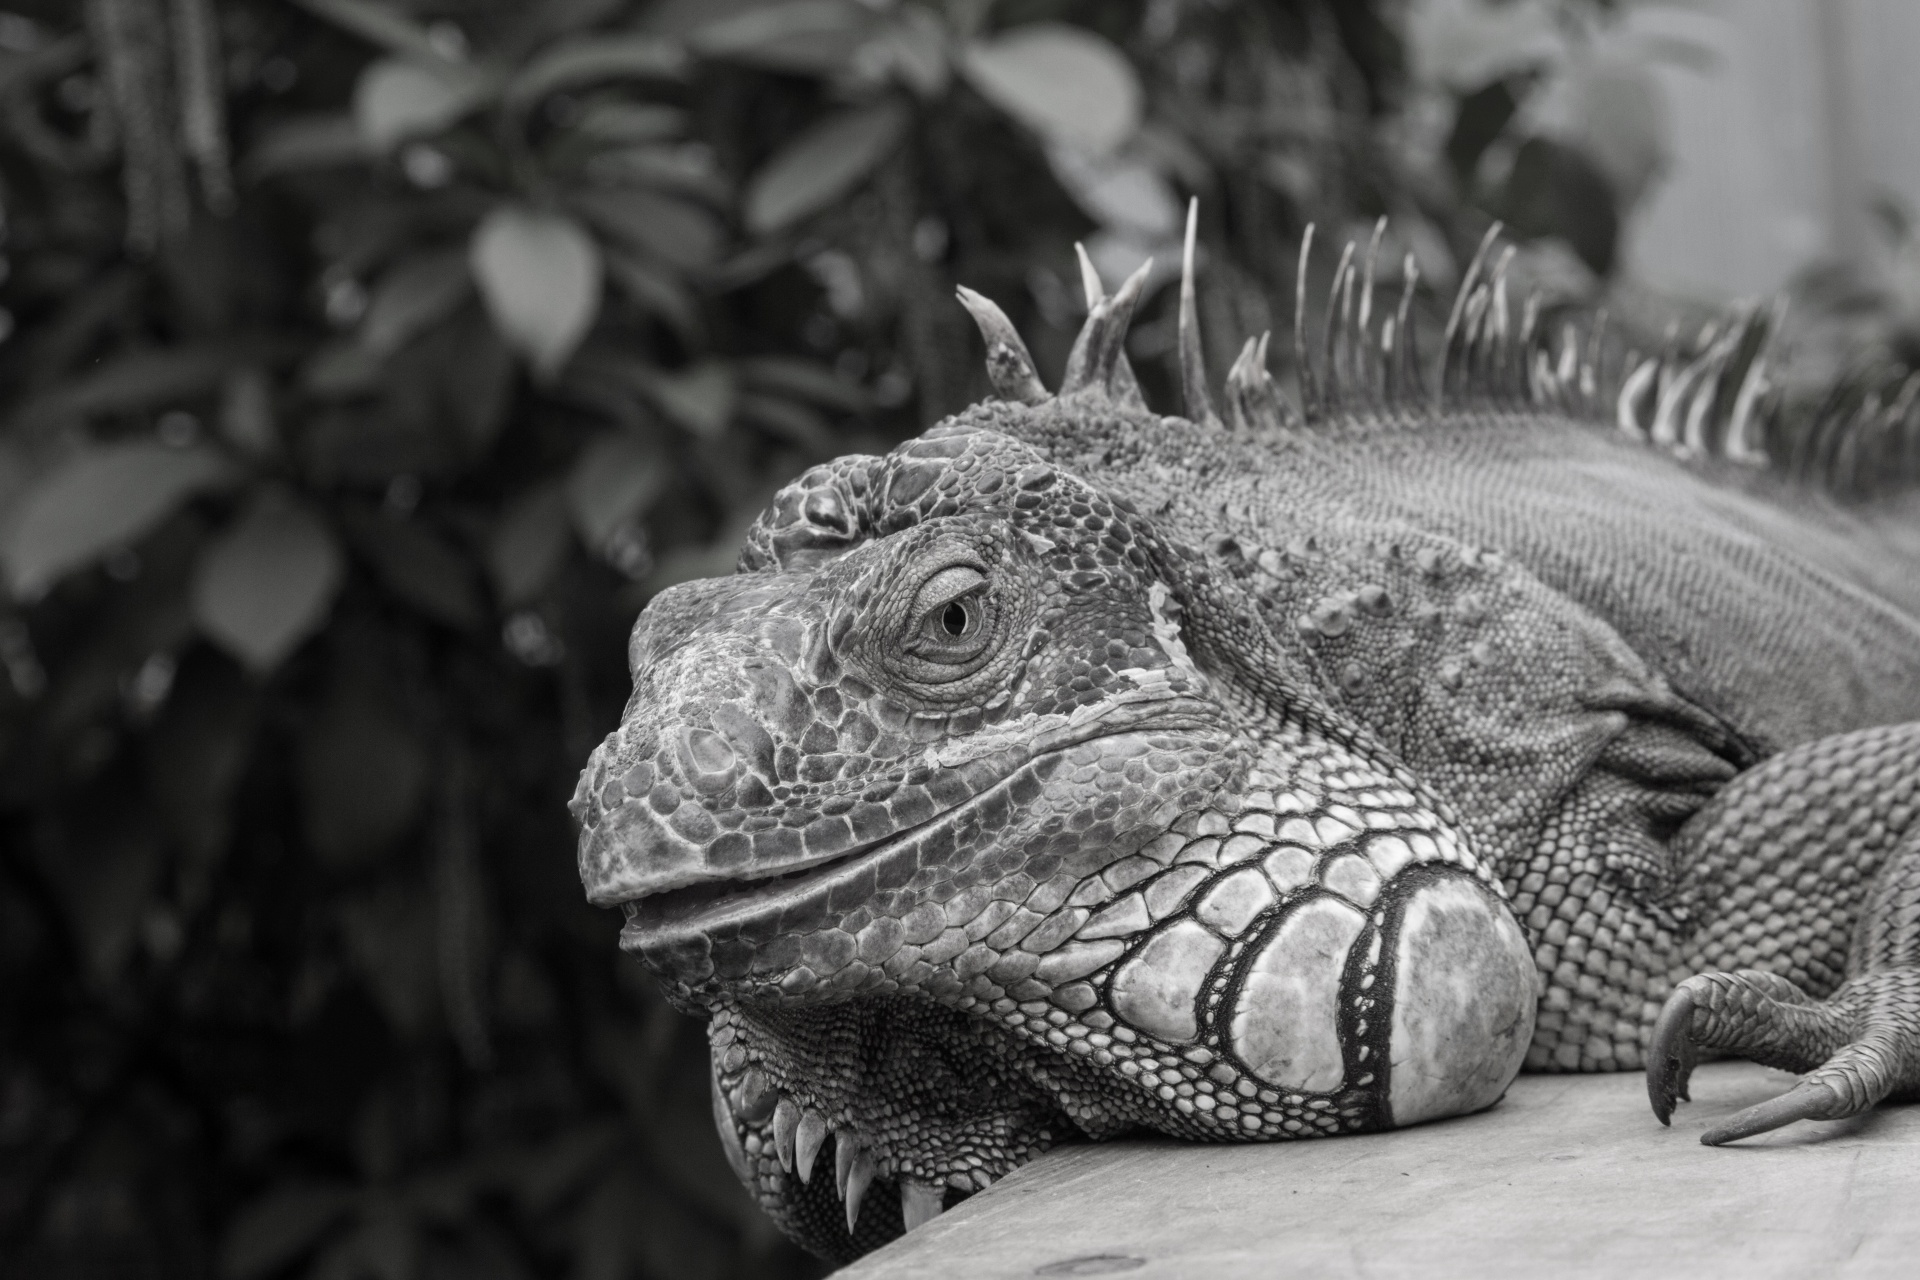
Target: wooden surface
{"x": 1569, "y": 1176}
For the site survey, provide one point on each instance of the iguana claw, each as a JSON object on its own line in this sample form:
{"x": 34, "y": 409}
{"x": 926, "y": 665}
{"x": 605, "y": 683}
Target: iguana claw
{"x": 1672, "y": 1055}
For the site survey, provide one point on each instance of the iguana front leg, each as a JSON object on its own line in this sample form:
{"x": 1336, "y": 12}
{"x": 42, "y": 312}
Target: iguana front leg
{"x": 1827, "y": 831}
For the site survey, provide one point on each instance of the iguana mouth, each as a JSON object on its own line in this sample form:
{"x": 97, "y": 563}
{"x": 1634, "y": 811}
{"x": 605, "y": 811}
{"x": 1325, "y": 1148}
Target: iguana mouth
{"x": 702, "y": 904}
{"x": 749, "y": 898}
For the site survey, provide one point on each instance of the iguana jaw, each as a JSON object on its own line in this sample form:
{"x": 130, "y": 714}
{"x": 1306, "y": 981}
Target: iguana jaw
{"x": 655, "y": 918}
{"x": 663, "y": 929}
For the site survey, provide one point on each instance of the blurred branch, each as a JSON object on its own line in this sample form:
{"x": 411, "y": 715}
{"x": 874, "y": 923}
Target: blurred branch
{"x": 460, "y": 906}
{"x": 131, "y": 36}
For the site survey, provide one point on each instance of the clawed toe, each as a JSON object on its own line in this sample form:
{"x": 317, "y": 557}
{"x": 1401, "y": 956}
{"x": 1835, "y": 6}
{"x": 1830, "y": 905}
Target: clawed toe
{"x": 1808, "y": 1100}
{"x": 1855, "y": 1047}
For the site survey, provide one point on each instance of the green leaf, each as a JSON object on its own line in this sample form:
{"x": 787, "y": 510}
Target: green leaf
{"x": 15, "y": 477}
{"x": 822, "y": 164}
{"x": 656, "y": 290}
{"x": 1554, "y": 190}
{"x": 1466, "y": 45}
{"x": 808, "y": 36}
{"x": 529, "y": 545}
{"x": 714, "y": 560}
{"x": 107, "y": 880}
{"x": 396, "y": 100}
{"x": 1067, "y": 84}
{"x": 585, "y": 59}
{"x": 306, "y": 143}
{"x": 420, "y": 292}
{"x": 913, "y": 50}
{"x": 389, "y": 936}
{"x": 279, "y": 1226}
{"x": 375, "y": 444}
{"x": 683, "y": 168}
{"x": 139, "y": 381}
{"x": 539, "y": 274}
{"x": 807, "y": 379}
{"x": 615, "y": 479}
{"x": 1123, "y": 194}
{"x": 632, "y": 122}
{"x": 541, "y": 1178}
{"x": 476, "y": 377}
{"x": 418, "y": 566}
{"x": 363, "y": 776}
{"x": 101, "y": 499}
{"x": 788, "y": 420}
{"x": 598, "y": 1231}
{"x": 378, "y": 24}
{"x": 139, "y": 624}
{"x": 1615, "y": 111}
{"x": 686, "y": 1148}
{"x": 268, "y": 582}
{"x": 342, "y": 370}
{"x": 195, "y": 755}
{"x": 672, "y": 230}
{"x": 444, "y": 1196}
{"x": 247, "y": 420}
{"x": 700, "y": 398}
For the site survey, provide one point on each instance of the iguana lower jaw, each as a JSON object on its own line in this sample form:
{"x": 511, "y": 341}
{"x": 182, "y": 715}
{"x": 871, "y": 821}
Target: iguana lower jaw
{"x": 828, "y": 929}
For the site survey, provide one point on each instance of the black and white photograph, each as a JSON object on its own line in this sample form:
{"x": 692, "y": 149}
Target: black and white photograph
{"x": 922, "y": 639}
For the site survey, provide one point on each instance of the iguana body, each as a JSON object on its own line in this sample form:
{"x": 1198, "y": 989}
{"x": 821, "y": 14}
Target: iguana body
{"x": 1074, "y": 769}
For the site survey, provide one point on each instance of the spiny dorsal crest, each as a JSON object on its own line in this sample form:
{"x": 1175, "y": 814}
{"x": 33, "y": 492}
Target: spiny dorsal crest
{"x": 1711, "y": 397}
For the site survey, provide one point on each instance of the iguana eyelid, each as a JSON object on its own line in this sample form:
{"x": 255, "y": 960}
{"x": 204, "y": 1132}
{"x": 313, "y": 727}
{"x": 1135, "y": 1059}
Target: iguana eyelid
{"x": 946, "y": 586}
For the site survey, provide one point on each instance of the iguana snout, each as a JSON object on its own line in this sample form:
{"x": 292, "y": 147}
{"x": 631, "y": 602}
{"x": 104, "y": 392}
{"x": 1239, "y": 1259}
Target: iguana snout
{"x": 682, "y": 793}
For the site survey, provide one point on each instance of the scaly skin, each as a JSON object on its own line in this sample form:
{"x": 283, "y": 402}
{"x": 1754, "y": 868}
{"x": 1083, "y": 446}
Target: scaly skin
{"x": 1073, "y": 770}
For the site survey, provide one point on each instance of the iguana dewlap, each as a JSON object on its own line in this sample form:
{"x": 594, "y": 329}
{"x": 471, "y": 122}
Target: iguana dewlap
{"x": 1073, "y": 769}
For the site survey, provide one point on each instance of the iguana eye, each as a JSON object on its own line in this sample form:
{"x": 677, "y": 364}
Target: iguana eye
{"x": 950, "y": 616}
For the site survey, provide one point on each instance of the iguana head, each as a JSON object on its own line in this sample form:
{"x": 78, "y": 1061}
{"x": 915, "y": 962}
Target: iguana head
{"x": 977, "y": 814}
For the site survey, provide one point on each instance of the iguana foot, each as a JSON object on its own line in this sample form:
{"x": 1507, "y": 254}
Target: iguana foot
{"x": 1809, "y": 824}
{"x": 1857, "y": 1047}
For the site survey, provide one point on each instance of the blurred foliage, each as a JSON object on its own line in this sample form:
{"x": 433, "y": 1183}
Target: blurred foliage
{"x": 1862, "y": 318}
{"x": 364, "y": 368}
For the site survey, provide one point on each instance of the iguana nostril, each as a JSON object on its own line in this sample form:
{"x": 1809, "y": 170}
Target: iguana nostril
{"x": 580, "y": 804}
{"x": 592, "y": 778}
{"x": 747, "y": 736}
{"x": 705, "y": 752}
{"x": 824, "y": 509}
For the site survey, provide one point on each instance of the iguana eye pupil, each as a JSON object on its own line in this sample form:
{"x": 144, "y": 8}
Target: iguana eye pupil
{"x": 955, "y": 619}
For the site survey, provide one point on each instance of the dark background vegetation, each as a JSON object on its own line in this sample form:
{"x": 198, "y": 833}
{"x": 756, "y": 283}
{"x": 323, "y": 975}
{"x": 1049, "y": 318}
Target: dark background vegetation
{"x": 365, "y": 365}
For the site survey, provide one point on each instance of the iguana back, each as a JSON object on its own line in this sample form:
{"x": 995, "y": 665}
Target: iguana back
{"x": 1788, "y": 614}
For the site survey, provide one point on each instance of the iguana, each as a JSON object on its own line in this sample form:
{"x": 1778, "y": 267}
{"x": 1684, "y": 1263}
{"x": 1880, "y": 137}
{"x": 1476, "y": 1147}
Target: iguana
{"x": 1263, "y": 773}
